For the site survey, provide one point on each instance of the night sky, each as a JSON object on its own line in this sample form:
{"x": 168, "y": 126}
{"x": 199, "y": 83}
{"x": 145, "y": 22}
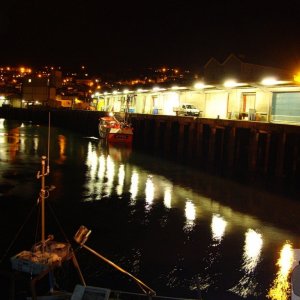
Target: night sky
{"x": 113, "y": 35}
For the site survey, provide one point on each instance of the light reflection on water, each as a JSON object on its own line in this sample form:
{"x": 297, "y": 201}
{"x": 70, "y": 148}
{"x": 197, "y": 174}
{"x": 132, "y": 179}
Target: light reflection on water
{"x": 218, "y": 226}
{"x": 117, "y": 171}
{"x": 247, "y": 285}
{"x": 281, "y": 289}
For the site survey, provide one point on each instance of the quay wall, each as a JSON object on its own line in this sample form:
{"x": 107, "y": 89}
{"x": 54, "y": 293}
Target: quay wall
{"x": 261, "y": 153}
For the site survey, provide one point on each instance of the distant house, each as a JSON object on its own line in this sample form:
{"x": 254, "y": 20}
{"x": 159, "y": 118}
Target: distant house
{"x": 234, "y": 67}
{"x": 40, "y": 90}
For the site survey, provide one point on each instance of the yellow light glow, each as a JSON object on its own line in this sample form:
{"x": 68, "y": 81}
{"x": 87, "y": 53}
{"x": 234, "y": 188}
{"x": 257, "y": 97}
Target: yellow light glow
{"x": 190, "y": 214}
{"x": 62, "y": 148}
{"x": 230, "y": 83}
{"x": 269, "y": 81}
{"x": 121, "y": 176}
{"x": 168, "y": 197}
{"x": 281, "y": 288}
{"x": 297, "y": 77}
{"x": 134, "y": 186}
{"x": 149, "y": 191}
{"x": 218, "y": 227}
{"x": 199, "y": 85}
{"x": 110, "y": 173}
{"x": 251, "y": 256}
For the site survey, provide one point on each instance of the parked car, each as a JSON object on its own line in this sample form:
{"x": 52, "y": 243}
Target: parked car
{"x": 186, "y": 109}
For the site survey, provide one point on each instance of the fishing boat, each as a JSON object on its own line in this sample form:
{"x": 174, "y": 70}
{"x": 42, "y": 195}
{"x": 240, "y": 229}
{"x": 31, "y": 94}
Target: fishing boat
{"x": 115, "y": 128}
{"x": 115, "y": 131}
{"x": 47, "y": 254}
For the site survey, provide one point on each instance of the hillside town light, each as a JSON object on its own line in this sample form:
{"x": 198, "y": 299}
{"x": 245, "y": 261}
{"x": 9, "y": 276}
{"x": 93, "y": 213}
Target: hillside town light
{"x": 297, "y": 77}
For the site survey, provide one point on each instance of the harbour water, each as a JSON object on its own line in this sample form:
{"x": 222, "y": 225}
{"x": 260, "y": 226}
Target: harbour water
{"x": 184, "y": 233}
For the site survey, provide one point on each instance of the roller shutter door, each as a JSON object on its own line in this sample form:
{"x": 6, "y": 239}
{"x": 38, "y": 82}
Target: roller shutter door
{"x": 286, "y": 107}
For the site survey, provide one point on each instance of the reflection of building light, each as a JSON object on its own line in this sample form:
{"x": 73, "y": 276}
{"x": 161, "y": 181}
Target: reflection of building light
{"x": 190, "y": 214}
{"x": 252, "y": 248}
{"x": 149, "y": 191}
{"x": 92, "y": 164}
{"x": 167, "y": 197}
{"x": 110, "y": 173}
{"x": 35, "y": 143}
{"x": 121, "y": 177}
{"x": 280, "y": 289}
{"x": 92, "y": 161}
{"x": 247, "y": 285}
{"x": 134, "y": 185}
{"x": 101, "y": 170}
{"x": 218, "y": 226}
{"x": 62, "y": 147}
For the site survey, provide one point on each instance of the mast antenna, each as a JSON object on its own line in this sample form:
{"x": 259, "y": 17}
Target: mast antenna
{"x": 48, "y": 156}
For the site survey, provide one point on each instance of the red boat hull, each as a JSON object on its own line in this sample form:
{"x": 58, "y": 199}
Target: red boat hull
{"x": 120, "y": 138}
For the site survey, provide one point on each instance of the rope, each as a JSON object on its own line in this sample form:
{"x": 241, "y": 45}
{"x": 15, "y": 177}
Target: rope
{"x": 57, "y": 221}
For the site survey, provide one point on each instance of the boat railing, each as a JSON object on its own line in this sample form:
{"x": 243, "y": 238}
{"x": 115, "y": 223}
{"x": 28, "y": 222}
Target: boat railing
{"x": 94, "y": 293}
{"x": 121, "y": 295}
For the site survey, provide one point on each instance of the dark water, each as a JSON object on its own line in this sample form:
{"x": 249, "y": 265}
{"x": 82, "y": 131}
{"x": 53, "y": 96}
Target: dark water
{"x": 183, "y": 233}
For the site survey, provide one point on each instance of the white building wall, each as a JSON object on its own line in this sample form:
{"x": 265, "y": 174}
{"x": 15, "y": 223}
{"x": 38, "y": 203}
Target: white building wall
{"x": 212, "y": 102}
{"x": 140, "y": 103}
{"x": 193, "y": 97}
{"x": 171, "y": 100}
{"x": 149, "y": 104}
{"x": 234, "y": 103}
{"x": 197, "y": 98}
{"x": 216, "y": 105}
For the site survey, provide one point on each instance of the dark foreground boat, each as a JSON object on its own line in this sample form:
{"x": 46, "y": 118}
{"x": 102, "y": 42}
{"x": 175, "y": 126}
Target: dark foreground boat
{"x": 48, "y": 255}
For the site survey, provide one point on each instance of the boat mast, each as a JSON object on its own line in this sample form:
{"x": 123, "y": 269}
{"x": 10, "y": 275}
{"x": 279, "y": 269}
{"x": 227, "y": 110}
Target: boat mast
{"x": 41, "y": 175}
{"x": 43, "y": 191}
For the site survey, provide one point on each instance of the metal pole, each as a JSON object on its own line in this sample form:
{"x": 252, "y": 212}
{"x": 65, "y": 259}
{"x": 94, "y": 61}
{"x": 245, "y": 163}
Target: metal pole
{"x": 142, "y": 284}
{"x": 42, "y": 199}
